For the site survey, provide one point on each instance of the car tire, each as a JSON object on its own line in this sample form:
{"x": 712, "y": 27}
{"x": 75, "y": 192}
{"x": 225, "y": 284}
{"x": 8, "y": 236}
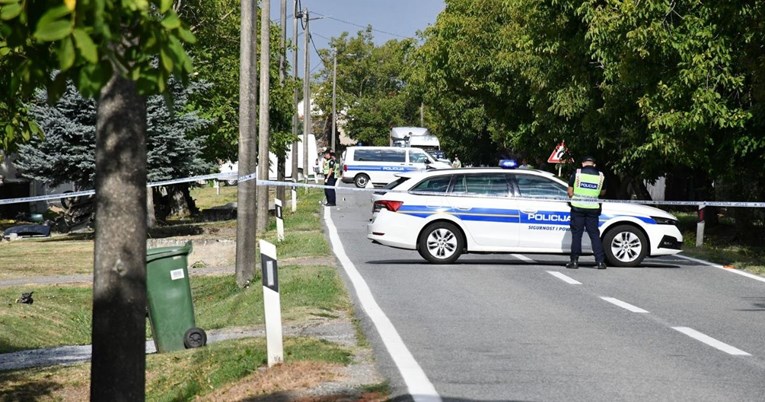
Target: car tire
{"x": 361, "y": 180}
{"x": 625, "y": 246}
{"x": 441, "y": 243}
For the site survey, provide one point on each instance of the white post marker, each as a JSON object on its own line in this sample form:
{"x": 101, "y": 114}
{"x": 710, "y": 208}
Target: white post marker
{"x": 271, "y": 303}
{"x": 216, "y": 184}
{"x": 279, "y": 220}
{"x": 700, "y": 228}
{"x": 294, "y": 198}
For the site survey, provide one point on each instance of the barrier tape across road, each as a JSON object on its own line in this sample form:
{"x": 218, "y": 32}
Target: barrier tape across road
{"x": 273, "y": 183}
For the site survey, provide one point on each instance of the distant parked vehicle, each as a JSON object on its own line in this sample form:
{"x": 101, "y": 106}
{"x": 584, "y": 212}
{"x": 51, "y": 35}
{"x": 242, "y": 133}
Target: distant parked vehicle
{"x": 379, "y": 165}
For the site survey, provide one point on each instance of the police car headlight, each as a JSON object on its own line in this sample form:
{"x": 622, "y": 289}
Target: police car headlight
{"x": 664, "y": 221}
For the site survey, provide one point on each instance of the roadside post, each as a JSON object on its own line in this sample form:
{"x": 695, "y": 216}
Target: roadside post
{"x": 271, "y": 303}
{"x": 700, "y": 227}
{"x": 293, "y": 194}
{"x": 279, "y": 220}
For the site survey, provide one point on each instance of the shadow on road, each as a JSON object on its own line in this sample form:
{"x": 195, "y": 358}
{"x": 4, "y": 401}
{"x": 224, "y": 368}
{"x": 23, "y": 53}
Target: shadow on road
{"x": 551, "y": 263}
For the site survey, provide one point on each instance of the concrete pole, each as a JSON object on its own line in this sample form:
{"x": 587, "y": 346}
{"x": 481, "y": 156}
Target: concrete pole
{"x": 295, "y": 95}
{"x": 281, "y": 192}
{"x": 263, "y": 116}
{"x": 306, "y": 94}
{"x": 246, "y": 216}
{"x": 282, "y": 41}
{"x": 334, "y": 97}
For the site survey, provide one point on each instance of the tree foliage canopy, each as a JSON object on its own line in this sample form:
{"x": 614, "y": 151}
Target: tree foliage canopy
{"x": 371, "y": 85}
{"x": 44, "y": 43}
{"x": 647, "y": 86}
{"x": 68, "y": 151}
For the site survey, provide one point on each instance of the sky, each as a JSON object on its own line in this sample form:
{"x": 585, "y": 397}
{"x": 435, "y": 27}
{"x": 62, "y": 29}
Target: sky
{"x": 390, "y": 19}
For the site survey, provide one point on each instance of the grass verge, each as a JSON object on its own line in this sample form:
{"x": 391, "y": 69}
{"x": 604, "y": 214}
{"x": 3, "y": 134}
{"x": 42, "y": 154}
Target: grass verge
{"x": 61, "y": 315}
{"x": 194, "y": 373}
{"x": 720, "y": 245}
{"x": 73, "y": 253}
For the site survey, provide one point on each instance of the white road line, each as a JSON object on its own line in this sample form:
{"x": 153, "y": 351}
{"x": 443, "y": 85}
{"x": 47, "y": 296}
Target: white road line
{"x": 564, "y": 278}
{"x": 523, "y": 258}
{"x": 418, "y": 384}
{"x": 711, "y": 341}
{"x": 732, "y": 270}
{"x": 624, "y": 305}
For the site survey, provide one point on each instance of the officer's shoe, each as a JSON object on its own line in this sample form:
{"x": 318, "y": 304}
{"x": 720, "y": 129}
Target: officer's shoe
{"x": 573, "y": 264}
{"x": 601, "y": 265}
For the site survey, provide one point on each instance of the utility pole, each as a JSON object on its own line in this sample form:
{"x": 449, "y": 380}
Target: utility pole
{"x": 263, "y": 116}
{"x": 246, "y": 217}
{"x": 334, "y": 97}
{"x": 280, "y": 158}
{"x": 294, "y": 160}
{"x": 306, "y": 93}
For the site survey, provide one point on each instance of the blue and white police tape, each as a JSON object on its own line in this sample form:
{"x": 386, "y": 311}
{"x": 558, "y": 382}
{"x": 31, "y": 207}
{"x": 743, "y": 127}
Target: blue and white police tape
{"x": 83, "y": 193}
{"x": 273, "y": 183}
{"x": 525, "y": 198}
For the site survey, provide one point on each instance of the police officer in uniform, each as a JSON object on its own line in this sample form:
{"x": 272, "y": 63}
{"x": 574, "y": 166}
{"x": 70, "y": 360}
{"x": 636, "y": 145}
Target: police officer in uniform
{"x": 586, "y": 182}
{"x": 329, "y": 167}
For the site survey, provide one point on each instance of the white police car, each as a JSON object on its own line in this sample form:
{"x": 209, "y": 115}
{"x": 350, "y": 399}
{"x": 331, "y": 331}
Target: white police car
{"x": 445, "y": 213}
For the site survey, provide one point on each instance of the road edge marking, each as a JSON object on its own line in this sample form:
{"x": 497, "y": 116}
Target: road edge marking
{"x": 708, "y": 340}
{"x": 718, "y": 266}
{"x": 417, "y": 382}
{"x": 624, "y": 305}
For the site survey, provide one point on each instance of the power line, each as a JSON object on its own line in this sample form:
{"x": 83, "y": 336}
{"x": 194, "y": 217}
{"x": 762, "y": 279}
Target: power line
{"x": 361, "y": 26}
{"x": 316, "y": 50}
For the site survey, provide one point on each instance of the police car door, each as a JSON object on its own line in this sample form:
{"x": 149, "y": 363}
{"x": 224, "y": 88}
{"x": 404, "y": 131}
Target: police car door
{"x": 544, "y": 225}
{"x": 480, "y": 201}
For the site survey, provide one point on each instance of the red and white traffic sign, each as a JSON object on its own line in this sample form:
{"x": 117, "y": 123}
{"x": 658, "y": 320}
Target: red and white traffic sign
{"x": 557, "y": 155}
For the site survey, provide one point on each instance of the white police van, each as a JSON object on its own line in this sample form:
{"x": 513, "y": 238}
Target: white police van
{"x": 379, "y": 165}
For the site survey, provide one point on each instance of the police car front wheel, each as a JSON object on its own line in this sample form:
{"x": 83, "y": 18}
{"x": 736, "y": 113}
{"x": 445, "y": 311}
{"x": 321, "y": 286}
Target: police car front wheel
{"x": 625, "y": 246}
{"x": 441, "y": 243}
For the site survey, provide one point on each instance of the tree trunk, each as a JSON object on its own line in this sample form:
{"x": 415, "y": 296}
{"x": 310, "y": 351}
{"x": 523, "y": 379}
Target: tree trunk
{"x": 151, "y": 217}
{"x": 119, "y": 280}
{"x": 281, "y": 170}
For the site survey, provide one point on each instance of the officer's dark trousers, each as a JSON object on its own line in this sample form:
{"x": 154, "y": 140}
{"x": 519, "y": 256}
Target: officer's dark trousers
{"x": 330, "y": 194}
{"x": 581, "y": 220}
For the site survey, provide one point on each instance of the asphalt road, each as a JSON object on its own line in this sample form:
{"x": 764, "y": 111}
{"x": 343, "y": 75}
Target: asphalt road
{"x": 523, "y": 328}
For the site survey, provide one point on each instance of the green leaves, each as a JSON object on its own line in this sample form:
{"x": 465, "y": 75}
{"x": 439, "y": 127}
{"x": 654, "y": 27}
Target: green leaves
{"x": 86, "y": 45}
{"x": 55, "y": 24}
{"x": 11, "y": 10}
{"x": 85, "y": 42}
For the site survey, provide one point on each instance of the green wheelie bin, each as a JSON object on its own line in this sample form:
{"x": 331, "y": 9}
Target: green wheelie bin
{"x": 168, "y": 290}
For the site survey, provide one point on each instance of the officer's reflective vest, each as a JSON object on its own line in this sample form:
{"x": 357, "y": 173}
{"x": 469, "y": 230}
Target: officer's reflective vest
{"x": 324, "y": 166}
{"x": 589, "y": 186}
{"x": 338, "y": 168}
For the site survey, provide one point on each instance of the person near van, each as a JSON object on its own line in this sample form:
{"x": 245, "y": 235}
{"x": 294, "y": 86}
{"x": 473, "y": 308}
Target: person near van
{"x": 330, "y": 167}
{"x": 586, "y": 182}
{"x": 457, "y": 163}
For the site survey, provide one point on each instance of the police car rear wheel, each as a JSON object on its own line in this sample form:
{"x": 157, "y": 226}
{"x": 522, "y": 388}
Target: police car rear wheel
{"x": 361, "y": 180}
{"x": 625, "y": 246}
{"x": 441, "y": 243}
